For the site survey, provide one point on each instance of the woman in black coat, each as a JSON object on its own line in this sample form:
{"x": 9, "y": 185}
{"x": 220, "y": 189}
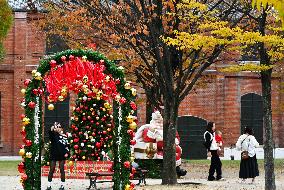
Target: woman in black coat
{"x": 58, "y": 152}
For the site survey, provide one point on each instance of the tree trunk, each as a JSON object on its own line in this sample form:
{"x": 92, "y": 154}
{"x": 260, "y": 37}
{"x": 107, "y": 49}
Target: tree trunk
{"x": 149, "y": 108}
{"x": 169, "y": 176}
{"x": 268, "y": 135}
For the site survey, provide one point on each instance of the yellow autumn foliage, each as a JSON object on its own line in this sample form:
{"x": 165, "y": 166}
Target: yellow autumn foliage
{"x": 277, "y": 4}
{"x": 212, "y": 32}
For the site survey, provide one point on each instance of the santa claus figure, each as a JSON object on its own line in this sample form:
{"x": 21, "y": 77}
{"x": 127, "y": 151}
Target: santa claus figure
{"x": 153, "y": 133}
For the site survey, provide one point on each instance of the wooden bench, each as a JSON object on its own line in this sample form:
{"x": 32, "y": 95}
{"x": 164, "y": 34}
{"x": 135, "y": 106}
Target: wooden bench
{"x": 93, "y": 177}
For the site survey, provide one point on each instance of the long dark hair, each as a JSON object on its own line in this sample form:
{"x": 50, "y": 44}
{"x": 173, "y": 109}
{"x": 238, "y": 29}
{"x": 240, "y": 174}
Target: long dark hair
{"x": 248, "y": 131}
{"x": 210, "y": 125}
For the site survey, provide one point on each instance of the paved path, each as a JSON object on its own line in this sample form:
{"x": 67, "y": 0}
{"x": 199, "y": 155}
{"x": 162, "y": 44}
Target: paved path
{"x": 12, "y": 183}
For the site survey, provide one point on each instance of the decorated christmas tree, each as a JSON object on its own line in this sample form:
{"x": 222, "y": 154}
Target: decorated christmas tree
{"x": 91, "y": 128}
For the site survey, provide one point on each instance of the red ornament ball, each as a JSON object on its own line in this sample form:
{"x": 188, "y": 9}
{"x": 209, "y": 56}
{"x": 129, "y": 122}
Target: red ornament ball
{"x": 63, "y": 58}
{"x": 98, "y": 145}
{"x": 122, "y": 100}
{"x": 132, "y": 185}
{"x": 126, "y": 164}
{"x": 52, "y": 63}
{"x": 28, "y": 143}
{"x": 133, "y": 106}
{"x": 32, "y": 105}
{"x": 133, "y": 142}
{"x": 35, "y": 91}
{"x": 23, "y": 132}
{"x": 27, "y": 82}
{"x": 22, "y": 116}
{"x": 71, "y": 57}
{"x": 21, "y": 167}
{"x": 24, "y": 177}
{"x": 76, "y": 146}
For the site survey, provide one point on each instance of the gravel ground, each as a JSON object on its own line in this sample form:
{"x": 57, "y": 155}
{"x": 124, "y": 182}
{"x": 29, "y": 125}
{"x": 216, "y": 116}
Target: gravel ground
{"x": 12, "y": 183}
{"x": 196, "y": 174}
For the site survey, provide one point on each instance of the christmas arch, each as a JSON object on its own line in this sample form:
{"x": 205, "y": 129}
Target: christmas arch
{"x": 96, "y": 79}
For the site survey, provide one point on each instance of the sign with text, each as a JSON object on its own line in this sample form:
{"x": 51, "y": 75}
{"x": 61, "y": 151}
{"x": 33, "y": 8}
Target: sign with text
{"x": 80, "y": 168}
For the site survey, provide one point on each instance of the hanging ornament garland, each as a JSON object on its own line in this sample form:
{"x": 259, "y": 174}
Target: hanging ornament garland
{"x": 98, "y": 82}
{"x": 91, "y": 128}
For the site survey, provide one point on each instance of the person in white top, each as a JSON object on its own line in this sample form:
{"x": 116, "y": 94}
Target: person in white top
{"x": 248, "y": 165}
{"x": 213, "y": 147}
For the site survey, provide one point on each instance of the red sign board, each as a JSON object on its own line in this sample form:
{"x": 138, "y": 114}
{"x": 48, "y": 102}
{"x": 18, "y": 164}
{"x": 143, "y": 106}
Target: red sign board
{"x": 80, "y": 168}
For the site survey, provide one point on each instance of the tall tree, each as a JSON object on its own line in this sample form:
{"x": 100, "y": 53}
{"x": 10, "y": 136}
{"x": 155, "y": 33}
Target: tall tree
{"x": 6, "y": 19}
{"x": 138, "y": 30}
{"x": 269, "y": 50}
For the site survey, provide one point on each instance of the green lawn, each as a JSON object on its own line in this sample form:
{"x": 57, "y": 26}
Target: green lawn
{"x": 9, "y": 168}
{"x": 234, "y": 164}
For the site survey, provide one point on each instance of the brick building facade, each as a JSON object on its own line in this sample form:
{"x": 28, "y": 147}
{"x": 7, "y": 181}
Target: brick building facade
{"x": 232, "y": 101}
{"x": 23, "y": 48}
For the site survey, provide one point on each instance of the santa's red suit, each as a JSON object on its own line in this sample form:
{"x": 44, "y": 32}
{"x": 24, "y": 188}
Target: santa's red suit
{"x": 160, "y": 145}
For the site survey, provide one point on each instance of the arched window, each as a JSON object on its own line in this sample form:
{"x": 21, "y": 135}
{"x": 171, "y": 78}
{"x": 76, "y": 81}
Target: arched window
{"x": 252, "y": 114}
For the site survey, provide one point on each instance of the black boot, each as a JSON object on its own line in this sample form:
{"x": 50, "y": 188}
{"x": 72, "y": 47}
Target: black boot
{"x": 61, "y": 188}
{"x": 48, "y": 188}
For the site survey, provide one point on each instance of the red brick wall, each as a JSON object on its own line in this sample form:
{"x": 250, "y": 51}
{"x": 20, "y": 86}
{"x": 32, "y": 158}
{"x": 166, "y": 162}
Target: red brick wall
{"x": 23, "y": 48}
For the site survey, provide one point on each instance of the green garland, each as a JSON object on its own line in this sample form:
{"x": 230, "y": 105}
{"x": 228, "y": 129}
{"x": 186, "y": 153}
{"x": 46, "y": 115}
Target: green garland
{"x": 31, "y": 177}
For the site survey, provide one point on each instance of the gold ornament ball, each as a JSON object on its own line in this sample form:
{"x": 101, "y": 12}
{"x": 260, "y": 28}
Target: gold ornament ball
{"x": 132, "y": 159}
{"x": 85, "y": 86}
{"x": 47, "y": 163}
{"x": 133, "y": 126}
{"x": 134, "y": 91}
{"x": 107, "y": 78}
{"x": 130, "y": 119}
{"x": 26, "y": 121}
{"x": 127, "y": 86}
{"x": 84, "y": 58}
{"x": 117, "y": 98}
{"x": 50, "y": 107}
{"x": 23, "y": 91}
{"x": 70, "y": 163}
{"x": 95, "y": 90}
{"x": 37, "y": 76}
{"x": 22, "y": 152}
{"x": 29, "y": 154}
{"x": 60, "y": 98}
{"x": 107, "y": 105}
{"x": 83, "y": 157}
{"x": 34, "y": 72}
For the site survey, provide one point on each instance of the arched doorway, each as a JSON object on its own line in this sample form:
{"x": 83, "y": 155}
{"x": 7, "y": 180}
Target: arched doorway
{"x": 89, "y": 73}
{"x": 191, "y": 130}
{"x": 252, "y": 114}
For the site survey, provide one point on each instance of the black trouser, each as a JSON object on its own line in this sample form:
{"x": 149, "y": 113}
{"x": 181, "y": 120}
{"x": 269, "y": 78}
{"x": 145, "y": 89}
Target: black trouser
{"x": 52, "y": 170}
{"x": 216, "y": 165}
